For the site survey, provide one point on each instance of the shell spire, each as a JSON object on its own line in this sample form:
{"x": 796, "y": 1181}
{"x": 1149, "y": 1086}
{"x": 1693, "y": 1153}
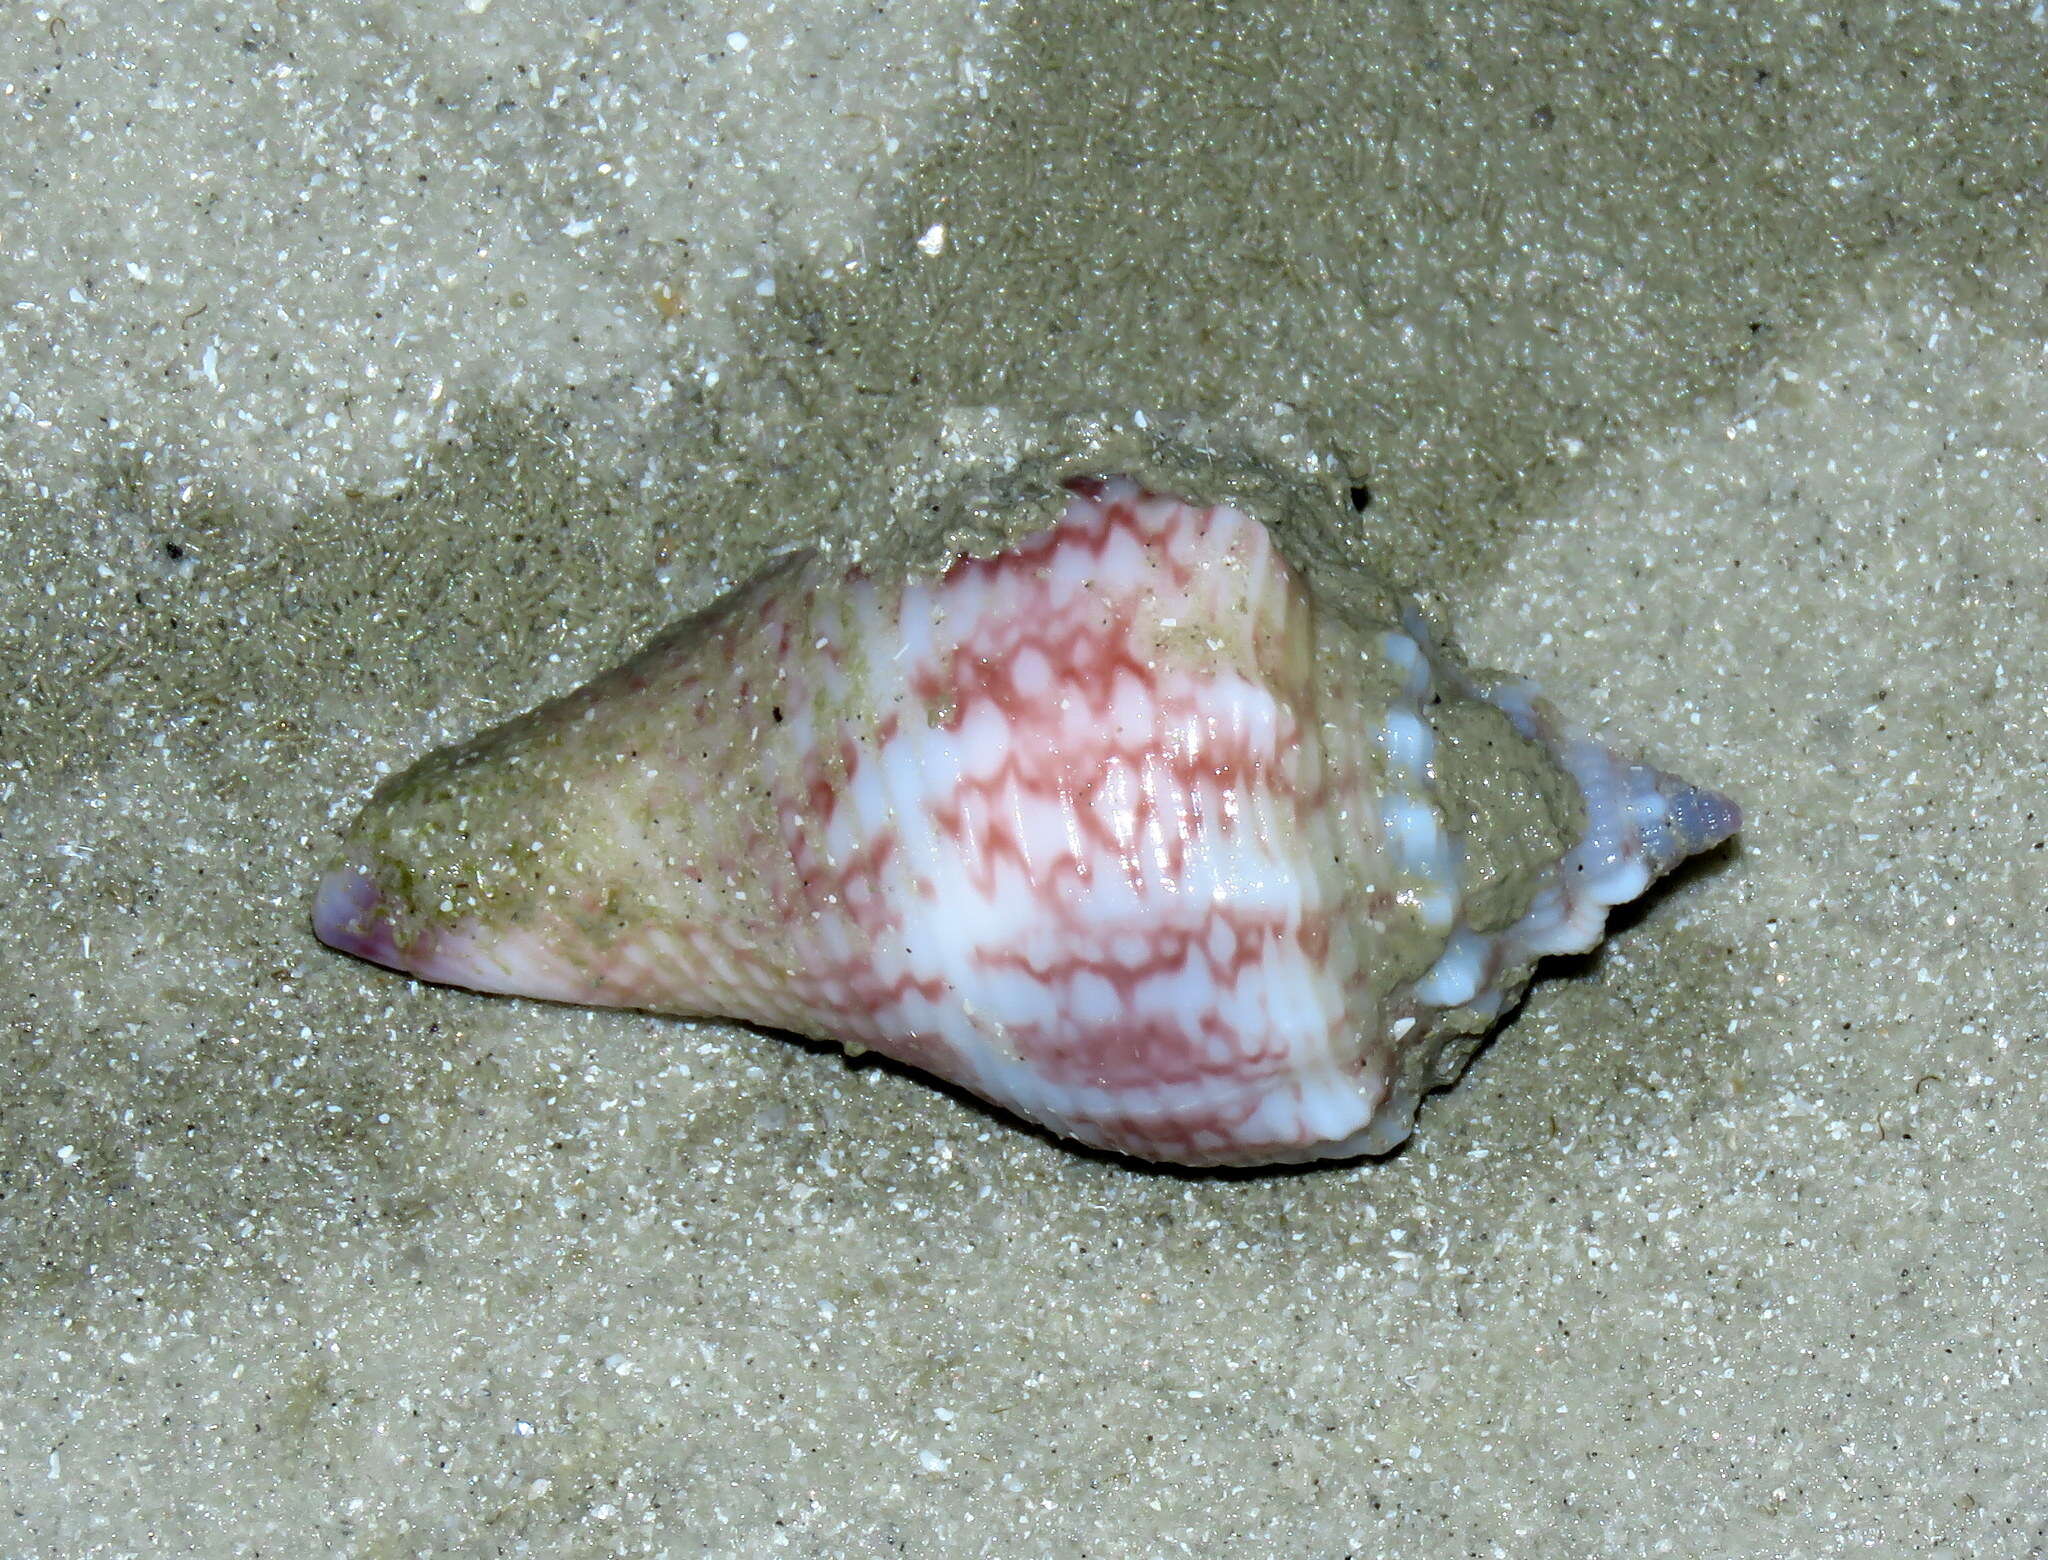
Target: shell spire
{"x": 1120, "y": 828}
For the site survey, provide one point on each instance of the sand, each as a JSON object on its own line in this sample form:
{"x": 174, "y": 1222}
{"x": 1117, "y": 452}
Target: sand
{"x": 1697, "y": 364}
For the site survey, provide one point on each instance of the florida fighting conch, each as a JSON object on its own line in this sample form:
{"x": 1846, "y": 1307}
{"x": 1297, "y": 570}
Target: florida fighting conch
{"x": 1120, "y": 827}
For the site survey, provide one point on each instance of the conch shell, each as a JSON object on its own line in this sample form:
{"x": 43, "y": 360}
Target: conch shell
{"x": 1120, "y": 828}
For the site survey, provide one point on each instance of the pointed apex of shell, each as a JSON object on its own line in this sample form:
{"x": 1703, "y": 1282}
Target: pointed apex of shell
{"x": 1697, "y": 819}
{"x": 1640, "y": 823}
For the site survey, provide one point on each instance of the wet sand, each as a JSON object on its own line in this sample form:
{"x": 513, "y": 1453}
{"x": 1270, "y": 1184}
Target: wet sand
{"x": 1698, "y": 373}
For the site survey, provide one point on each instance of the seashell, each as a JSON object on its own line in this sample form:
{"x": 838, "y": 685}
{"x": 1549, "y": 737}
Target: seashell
{"x": 1122, "y": 827}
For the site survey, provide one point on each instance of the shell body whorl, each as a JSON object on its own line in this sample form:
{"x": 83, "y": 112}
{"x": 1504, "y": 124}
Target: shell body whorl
{"x": 1120, "y": 828}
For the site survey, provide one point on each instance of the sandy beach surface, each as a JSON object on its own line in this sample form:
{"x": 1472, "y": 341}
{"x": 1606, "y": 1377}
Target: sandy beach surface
{"x": 368, "y": 373}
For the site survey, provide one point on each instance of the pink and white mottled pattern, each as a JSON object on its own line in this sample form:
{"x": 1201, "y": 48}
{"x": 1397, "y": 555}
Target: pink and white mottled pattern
{"x": 1066, "y": 869}
{"x": 1111, "y": 828}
